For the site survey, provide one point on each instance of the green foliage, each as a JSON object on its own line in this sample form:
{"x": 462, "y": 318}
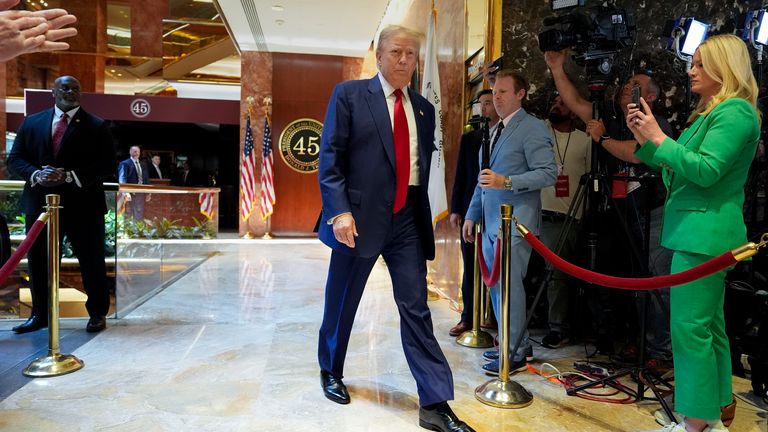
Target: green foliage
{"x": 163, "y": 229}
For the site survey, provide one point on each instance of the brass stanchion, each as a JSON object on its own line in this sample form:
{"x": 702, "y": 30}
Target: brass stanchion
{"x": 486, "y": 315}
{"x": 476, "y": 338}
{"x": 55, "y": 363}
{"x": 503, "y": 392}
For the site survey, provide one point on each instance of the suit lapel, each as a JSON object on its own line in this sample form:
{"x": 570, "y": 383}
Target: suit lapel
{"x": 426, "y": 146}
{"x": 506, "y": 134}
{"x": 47, "y": 127}
{"x": 380, "y": 113}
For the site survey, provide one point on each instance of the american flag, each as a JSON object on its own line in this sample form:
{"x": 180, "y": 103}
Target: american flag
{"x": 247, "y": 173}
{"x": 267, "y": 180}
{"x": 205, "y": 199}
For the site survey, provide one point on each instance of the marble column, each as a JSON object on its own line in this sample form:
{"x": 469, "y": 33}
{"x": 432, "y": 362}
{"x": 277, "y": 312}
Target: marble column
{"x": 147, "y": 27}
{"x": 3, "y": 123}
{"x": 255, "y": 81}
{"x": 86, "y": 58}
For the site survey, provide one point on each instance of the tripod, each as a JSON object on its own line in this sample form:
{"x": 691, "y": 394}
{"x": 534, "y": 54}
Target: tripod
{"x": 593, "y": 194}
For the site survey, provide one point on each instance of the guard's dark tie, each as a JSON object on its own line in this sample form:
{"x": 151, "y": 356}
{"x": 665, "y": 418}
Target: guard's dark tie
{"x": 496, "y": 136}
{"x": 402, "y": 152}
{"x": 58, "y": 133}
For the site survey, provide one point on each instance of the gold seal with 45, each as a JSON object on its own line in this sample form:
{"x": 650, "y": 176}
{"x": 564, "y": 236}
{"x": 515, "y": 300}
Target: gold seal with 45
{"x": 300, "y": 144}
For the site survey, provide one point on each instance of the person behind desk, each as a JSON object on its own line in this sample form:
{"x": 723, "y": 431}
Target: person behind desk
{"x": 467, "y": 169}
{"x": 187, "y": 177}
{"x": 133, "y": 171}
{"x": 66, "y": 151}
{"x": 155, "y": 172}
{"x": 614, "y": 137}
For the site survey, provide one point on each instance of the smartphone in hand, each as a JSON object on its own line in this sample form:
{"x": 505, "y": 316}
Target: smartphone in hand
{"x": 636, "y": 97}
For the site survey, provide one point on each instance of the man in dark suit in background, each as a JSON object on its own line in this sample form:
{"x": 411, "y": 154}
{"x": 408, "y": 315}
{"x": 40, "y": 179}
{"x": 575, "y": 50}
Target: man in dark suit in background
{"x": 66, "y": 151}
{"x": 467, "y": 169}
{"x": 155, "y": 172}
{"x": 375, "y": 155}
{"x": 133, "y": 171}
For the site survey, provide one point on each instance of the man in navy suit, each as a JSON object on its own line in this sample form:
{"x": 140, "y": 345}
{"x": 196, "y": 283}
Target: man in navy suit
{"x": 66, "y": 151}
{"x": 467, "y": 170}
{"x": 522, "y": 162}
{"x": 375, "y": 154}
{"x": 133, "y": 170}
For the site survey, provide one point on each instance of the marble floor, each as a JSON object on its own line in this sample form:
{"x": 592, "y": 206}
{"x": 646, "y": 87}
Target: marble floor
{"x": 230, "y": 346}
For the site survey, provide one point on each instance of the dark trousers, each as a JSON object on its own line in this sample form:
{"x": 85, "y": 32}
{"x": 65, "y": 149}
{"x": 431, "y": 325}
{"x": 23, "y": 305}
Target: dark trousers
{"x": 468, "y": 281}
{"x": 347, "y": 276}
{"x": 85, "y": 231}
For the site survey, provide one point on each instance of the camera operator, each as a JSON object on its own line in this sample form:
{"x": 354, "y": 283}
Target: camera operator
{"x": 572, "y": 155}
{"x": 613, "y": 135}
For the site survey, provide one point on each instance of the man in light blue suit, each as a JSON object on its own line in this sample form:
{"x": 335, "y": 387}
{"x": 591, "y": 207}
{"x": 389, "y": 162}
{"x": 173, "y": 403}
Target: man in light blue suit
{"x": 522, "y": 162}
{"x": 375, "y": 154}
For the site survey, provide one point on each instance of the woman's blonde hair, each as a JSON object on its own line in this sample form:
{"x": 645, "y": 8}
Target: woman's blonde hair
{"x": 726, "y": 60}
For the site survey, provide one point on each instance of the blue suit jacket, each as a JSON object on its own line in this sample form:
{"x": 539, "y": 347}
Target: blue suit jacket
{"x": 357, "y": 166}
{"x": 127, "y": 172}
{"x": 525, "y": 152}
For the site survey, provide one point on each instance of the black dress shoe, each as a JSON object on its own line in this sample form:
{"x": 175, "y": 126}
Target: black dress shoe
{"x": 333, "y": 388}
{"x": 34, "y": 323}
{"x": 96, "y": 324}
{"x": 442, "y": 419}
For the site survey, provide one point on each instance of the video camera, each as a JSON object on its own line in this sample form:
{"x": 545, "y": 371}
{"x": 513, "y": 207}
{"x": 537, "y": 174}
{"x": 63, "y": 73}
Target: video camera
{"x": 595, "y": 34}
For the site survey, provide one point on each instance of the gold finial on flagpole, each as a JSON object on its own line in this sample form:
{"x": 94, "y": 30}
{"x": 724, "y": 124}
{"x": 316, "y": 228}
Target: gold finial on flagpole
{"x": 267, "y": 101}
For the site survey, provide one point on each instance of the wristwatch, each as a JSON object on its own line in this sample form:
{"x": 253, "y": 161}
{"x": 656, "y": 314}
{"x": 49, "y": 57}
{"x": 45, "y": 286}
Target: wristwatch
{"x": 603, "y": 138}
{"x": 69, "y": 178}
{"x": 508, "y": 183}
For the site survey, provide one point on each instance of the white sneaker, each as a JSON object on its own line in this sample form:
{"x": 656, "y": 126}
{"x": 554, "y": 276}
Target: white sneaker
{"x": 661, "y": 417}
{"x": 715, "y": 426}
{"x": 672, "y": 427}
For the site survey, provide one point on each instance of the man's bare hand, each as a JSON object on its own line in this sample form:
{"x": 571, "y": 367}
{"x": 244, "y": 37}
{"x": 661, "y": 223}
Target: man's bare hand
{"x": 468, "y": 231}
{"x": 555, "y": 59}
{"x": 24, "y": 32}
{"x": 51, "y": 176}
{"x": 489, "y": 179}
{"x": 344, "y": 230}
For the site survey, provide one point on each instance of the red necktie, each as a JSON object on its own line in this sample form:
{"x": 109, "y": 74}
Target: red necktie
{"x": 402, "y": 153}
{"x": 58, "y": 133}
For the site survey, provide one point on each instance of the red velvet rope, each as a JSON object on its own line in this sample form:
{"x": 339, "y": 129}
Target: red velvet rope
{"x": 638, "y": 284}
{"x": 22, "y": 250}
{"x": 489, "y": 280}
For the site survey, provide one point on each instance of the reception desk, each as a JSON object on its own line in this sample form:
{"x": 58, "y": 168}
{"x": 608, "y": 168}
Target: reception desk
{"x": 188, "y": 209}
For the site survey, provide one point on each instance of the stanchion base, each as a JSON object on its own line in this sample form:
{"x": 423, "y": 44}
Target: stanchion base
{"x": 501, "y": 394}
{"x": 475, "y": 339}
{"x": 267, "y": 236}
{"x": 53, "y": 365}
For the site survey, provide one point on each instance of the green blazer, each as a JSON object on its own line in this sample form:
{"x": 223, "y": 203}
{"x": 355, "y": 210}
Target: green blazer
{"x": 705, "y": 171}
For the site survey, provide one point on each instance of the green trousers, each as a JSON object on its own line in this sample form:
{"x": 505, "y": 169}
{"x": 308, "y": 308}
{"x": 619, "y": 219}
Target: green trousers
{"x": 700, "y": 347}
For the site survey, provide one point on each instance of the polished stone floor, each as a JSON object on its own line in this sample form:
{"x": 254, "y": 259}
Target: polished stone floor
{"x": 230, "y": 346}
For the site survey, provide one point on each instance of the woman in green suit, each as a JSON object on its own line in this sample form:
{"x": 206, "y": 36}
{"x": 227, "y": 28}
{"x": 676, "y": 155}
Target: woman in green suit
{"x": 704, "y": 171}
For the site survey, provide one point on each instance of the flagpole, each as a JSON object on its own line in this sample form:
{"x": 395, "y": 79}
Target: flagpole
{"x": 247, "y": 235}
{"x": 267, "y": 112}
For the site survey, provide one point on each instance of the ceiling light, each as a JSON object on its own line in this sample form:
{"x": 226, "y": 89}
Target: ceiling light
{"x": 279, "y": 22}
{"x": 278, "y": 8}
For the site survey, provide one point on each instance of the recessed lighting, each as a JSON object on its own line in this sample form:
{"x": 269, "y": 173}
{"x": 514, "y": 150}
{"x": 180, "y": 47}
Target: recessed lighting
{"x": 112, "y": 70}
{"x": 278, "y": 8}
{"x": 279, "y": 22}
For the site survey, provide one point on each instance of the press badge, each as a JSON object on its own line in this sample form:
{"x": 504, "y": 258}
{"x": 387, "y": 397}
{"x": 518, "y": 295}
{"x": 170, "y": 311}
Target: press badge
{"x": 562, "y": 188}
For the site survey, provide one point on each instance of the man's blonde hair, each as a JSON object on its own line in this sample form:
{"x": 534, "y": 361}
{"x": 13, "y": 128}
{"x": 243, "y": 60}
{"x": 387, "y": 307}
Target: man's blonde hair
{"x": 726, "y": 60}
{"x": 391, "y": 31}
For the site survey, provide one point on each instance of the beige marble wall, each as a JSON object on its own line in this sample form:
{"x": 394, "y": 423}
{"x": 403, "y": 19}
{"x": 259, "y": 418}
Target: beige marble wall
{"x": 256, "y": 81}
{"x": 445, "y": 270}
